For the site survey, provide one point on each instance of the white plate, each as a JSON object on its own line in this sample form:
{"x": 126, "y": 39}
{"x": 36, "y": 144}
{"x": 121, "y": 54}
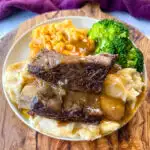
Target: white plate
{"x": 20, "y": 51}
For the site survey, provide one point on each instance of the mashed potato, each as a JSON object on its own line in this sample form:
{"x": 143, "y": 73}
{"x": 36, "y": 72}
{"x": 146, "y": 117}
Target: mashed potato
{"x": 125, "y": 84}
{"x": 70, "y": 130}
{"x": 74, "y": 130}
{"x": 16, "y": 77}
{"x": 62, "y": 37}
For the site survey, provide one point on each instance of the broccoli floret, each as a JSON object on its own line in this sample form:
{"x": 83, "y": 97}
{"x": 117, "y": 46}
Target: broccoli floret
{"x": 140, "y": 61}
{"x": 128, "y": 55}
{"x": 104, "y": 33}
{"x": 105, "y": 48}
{"x": 107, "y": 29}
{"x": 122, "y": 46}
{"x": 113, "y": 37}
{"x": 135, "y": 59}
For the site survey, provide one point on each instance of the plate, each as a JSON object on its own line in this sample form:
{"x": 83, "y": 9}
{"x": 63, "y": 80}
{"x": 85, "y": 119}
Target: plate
{"x": 20, "y": 51}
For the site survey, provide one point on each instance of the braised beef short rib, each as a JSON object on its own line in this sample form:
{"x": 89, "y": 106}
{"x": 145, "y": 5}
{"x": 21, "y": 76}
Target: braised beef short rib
{"x": 71, "y": 106}
{"x": 83, "y": 74}
{"x": 72, "y": 85}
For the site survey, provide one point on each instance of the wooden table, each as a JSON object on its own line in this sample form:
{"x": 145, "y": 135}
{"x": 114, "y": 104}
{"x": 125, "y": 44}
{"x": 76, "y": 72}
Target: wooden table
{"x": 15, "y": 135}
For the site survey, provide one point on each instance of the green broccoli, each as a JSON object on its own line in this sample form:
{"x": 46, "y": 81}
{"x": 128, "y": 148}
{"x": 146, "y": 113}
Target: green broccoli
{"x": 122, "y": 47}
{"x": 105, "y": 33}
{"x": 113, "y": 37}
{"x": 135, "y": 59}
{"x": 128, "y": 55}
{"x": 107, "y": 29}
{"x": 105, "y": 48}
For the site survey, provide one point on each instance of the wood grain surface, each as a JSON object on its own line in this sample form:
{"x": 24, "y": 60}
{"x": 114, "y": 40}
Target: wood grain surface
{"x": 15, "y": 135}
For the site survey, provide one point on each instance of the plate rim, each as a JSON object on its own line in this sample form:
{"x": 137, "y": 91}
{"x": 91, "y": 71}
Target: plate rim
{"x": 7, "y": 96}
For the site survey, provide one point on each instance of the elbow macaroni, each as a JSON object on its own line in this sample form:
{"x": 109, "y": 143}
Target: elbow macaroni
{"x": 62, "y": 37}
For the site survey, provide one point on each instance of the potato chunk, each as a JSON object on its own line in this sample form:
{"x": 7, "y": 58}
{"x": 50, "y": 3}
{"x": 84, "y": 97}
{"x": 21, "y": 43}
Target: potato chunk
{"x": 112, "y": 108}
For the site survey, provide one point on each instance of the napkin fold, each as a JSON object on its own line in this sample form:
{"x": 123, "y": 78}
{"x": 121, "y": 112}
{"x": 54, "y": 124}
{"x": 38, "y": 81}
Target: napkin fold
{"x": 137, "y": 8}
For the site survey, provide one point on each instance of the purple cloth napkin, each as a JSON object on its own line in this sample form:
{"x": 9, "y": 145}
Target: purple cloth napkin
{"x": 137, "y": 8}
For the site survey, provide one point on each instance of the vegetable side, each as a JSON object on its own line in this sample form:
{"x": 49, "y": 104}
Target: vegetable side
{"x": 113, "y": 37}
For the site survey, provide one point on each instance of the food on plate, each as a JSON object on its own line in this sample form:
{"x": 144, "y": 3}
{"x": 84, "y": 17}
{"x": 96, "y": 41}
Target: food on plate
{"x": 71, "y": 106}
{"x": 112, "y": 108}
{"x": 127, "y": 84}
{"x": 85, "y": 74}
{"x": 62, "y": 37}
{"x": 113, "y": 37}
{"x": 78, "y": 83}
{"x": 16, "y": 77}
